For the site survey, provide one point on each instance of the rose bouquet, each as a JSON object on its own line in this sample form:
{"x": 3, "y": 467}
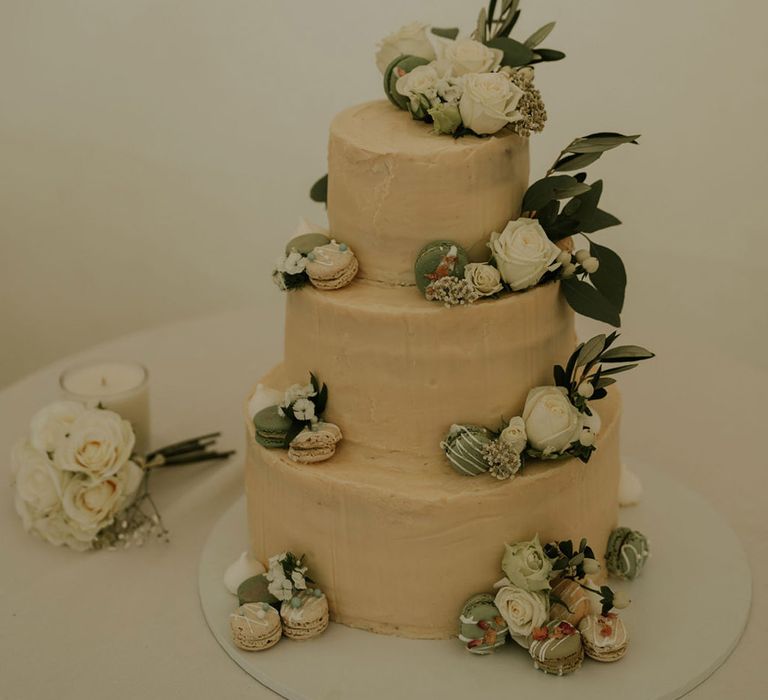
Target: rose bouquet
{"x": 79, "y": 483}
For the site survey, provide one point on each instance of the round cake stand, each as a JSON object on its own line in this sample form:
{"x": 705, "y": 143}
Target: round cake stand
{"x": 690, "y": 607}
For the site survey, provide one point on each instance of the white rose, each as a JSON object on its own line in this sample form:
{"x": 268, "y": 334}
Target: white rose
{"x": 522, "y": 610}
{"x": 489, "y": 102}
{"x": 422, "y": 80}
{"x": 469, "y": 56}
{"x": 98, "y": 444}
{"x": 551, "y": 420}
{"x": 53, "y": 527}
{"x": 486, "y": 279}
{"x": 292, "y": 264}
{"x": 93, "y": 505}
{"x": 38, "y": 482}
{"x": 410, "y": 40}
{"x": 523, "y": 253}
{"x": 514, "y": 434}
{"x": 51, "y": 423}
{"x": 262, "y": 398}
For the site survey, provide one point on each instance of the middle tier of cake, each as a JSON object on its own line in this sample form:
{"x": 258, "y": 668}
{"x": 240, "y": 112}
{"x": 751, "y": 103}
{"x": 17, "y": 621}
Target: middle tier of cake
{"x": 401, "y": 370}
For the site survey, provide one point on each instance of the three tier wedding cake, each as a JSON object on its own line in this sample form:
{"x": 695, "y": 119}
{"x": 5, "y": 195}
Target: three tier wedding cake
{"x": 434, "y": 404}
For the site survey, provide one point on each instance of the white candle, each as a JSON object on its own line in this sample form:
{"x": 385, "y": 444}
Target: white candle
{"x": 121, "y": 387}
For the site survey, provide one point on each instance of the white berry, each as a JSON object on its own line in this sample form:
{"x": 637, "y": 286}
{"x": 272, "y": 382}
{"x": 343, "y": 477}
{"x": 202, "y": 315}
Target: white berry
{"x": 587, "y": 438}
{"x": 586, "y": 390}
{"x": 564, "y": 258}
{"x": 582, "y": 255}
{"x": 590, "y": 265}
{"x": 568, "y": 270}
{"x": 591, "y": 566}
{"x": 620, "y": 600}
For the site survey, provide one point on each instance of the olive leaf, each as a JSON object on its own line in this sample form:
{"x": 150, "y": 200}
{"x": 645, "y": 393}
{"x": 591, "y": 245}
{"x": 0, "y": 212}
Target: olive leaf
{"x": 591, "y": 350}
{"x": 627, "y": 353}
{"x": 445, "y": 32}
{"x": 599, "y": 142}
{"x": 598, "y": 220}
{"x": 547, "y": 55}
{"x": 541, "y": 192}
{"x": 575, "y": 161}
{"x": 539, "y": 35}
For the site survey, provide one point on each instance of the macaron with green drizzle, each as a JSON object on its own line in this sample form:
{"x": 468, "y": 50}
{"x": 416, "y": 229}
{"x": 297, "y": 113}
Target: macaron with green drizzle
{"x": 626, "y": 553}
{"x": 271, "y": 428}
{"x": 557, "y": 648}
{"x": 439, "y": 259}
{"x": 481, "y": 627}
{"x": 463, "y": 447}
{"x": 395, "y": 70}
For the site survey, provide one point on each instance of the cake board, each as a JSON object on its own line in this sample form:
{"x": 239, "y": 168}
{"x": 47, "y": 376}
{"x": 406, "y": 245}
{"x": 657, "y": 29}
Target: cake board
{"x": 673, "y": 646}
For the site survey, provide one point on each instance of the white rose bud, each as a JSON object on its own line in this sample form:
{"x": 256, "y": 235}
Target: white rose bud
{"x": 51, "y": 423}
{"x": 421, "y": 81}
{"x": 489, "y": 102}
{"x": 587, "y": 438}
{"x": 38, "y": 482}
{"x": 620, "y": 600}
{"x": 410, "y": 40}
{"x": 551, "y": 420}
{"x": 486, "y": 279}
{"x": 582, "y": 255}
{"x": 469, "y": 56}
{"x": 586, "y": 390}
{"x": 591, "y": 265}
{"x": 523, "y": 253}
{"x": 514, "y": 435}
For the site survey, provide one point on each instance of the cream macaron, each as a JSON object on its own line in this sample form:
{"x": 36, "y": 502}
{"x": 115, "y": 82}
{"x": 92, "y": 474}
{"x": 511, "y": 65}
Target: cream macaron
{"x": 305, "y": 615}
{"x": 331, "y": 266}
{"x": 255, "y": 627}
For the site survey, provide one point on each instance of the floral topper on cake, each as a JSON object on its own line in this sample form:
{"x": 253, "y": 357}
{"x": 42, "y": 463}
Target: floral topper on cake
{"x": 478, "y": 85}
{"x": 557, "y": 421}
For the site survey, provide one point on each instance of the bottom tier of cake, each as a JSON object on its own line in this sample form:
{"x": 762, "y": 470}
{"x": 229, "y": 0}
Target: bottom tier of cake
{"x": 399, "y": 543}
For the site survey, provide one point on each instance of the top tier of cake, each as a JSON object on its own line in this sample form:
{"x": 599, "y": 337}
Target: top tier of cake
{"x": 394, "y": 186}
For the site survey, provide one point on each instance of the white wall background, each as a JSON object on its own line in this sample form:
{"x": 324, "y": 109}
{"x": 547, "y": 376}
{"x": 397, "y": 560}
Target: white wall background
{"x": 154, "y": 154}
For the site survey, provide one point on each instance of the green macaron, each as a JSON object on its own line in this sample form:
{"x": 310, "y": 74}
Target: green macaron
{"x": 481, "y": 627}
{"x": 398, "y": 67}
{"x": 558, "y": 649}
{"x": 439, "y": 259}
{"x": 271, "y": 428}
{"x": 626, "y": 553}
{"x": 256, "y": 590}
{"x": 306, "y": 243}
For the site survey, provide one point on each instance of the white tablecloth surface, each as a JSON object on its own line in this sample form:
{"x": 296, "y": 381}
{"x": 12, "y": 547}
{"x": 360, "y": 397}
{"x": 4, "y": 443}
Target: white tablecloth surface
{"x": 127, "y": 624}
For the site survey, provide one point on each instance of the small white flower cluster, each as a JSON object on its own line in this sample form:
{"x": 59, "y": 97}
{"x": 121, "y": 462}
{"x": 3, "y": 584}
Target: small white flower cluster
{"x": 452, "y": 291}
{"x": 463, "y": 83}
{"x": 286, "y": 575}
{"x": 73, "y": 474}
{"x": 298, "y": 398}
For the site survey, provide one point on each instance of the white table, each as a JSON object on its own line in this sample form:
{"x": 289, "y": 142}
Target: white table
{"x": 127, "y": 624}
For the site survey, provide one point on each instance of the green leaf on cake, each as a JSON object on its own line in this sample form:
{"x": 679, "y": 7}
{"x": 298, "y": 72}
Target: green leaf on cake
{"x": 575, "y": 161}
{"x": 319, "y": 191}
{"x": 561, "y": 379}
{"x": 587, "y": 301}
{"x": 591, "y": 350}
{"x": 539, "y": 35}
{"x": 627, "y": 353}
{"x": 445, "y": 32}
{"x": 617, "y": 370}
{"x": 541, "y": 192}
{"x": 547, "y": 55}
{"x": 600, "y": 142}
{"x": 610, "y": 278}
{"x": 604, "y": 382}
{"x": 515, "y": 53}
{"x": 598, "y": 220}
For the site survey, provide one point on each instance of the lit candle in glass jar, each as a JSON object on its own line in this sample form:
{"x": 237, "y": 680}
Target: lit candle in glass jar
{"x": 122, "y": 387}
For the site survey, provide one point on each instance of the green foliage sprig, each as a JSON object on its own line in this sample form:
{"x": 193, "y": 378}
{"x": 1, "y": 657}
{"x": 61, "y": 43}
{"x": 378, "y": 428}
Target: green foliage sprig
{"x": 599, "y": 294}
{"x": 494, "y": 26}
{"x": 585, "y": 378}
